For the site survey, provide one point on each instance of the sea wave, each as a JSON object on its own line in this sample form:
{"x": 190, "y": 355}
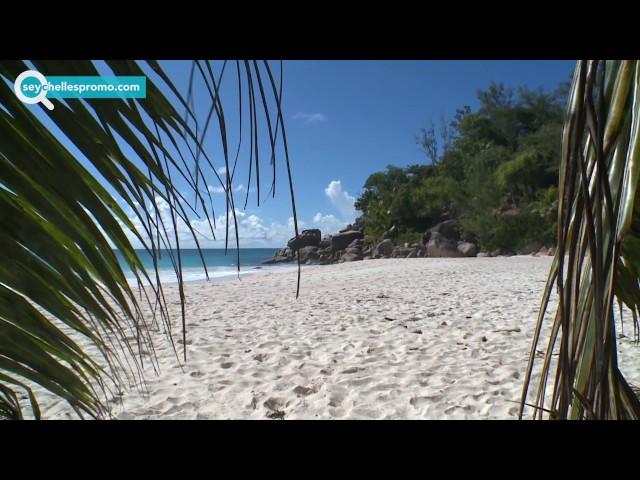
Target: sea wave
{"x": 168, "y": 276}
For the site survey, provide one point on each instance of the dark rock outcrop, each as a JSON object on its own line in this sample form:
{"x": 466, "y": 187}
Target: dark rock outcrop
{"x": 340, "y": 241}
{"x": 383, "y": 249}
{"x": 309, "y": 253}
{"x": 401, "y": 252}
{"x": 357, "y": 243}
{"x": 441, "y": 246}
{"x": 325, "y": 259}
{"x": 501, "y": 252}
{"x": 281, "y": 256}
{"x": 350, "y": 257}
{"x": 543, "y": 252}
{"x": 306, "y": 238}
{"x": 441, "y": 240}
{"x": 448, "y": 229}
{"x": 357, "y": 225}
{"x": 325, "y": 242}
{"x": 530, "y": 248}
{"x": 467, "y": 249}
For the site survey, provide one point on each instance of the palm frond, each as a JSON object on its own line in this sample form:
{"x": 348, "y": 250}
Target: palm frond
{"x": 597, "y": 258}
{"x": 60, "y": 278}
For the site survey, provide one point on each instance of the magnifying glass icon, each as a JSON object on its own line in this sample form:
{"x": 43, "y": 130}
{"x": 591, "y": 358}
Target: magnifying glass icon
{"x": 42, "y": 94}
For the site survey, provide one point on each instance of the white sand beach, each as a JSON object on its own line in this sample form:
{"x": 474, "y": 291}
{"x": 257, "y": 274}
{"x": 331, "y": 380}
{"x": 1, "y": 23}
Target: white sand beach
{"x": 423, "y": 338}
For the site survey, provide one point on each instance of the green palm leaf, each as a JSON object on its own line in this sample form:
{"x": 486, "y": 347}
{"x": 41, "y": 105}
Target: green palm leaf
{"x": 598, "y": 256}
{"x": 60, "y": 279}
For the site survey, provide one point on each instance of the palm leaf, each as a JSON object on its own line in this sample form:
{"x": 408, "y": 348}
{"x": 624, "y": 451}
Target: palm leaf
{"x": 598, "y": 253}
{"x": 60, "y": 280}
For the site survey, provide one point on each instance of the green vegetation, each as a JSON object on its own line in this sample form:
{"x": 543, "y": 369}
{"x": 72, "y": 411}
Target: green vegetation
{"x": 495, "y": 170}
{"x": 69, "y": 321}
{"x": 597, "y": 262}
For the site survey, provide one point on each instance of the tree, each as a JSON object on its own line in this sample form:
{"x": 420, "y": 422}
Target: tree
{"x": 60, "y": 280}
{"x": 501, "y": 157}
{"x": 432, "y": 146}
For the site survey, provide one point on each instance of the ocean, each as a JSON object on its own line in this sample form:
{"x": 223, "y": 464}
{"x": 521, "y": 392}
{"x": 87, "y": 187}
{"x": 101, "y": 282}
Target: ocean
{"x": 219, "y": 265}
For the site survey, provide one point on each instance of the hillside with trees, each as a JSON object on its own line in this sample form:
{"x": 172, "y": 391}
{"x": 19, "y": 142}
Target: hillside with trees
{"x": 494, "y": 170}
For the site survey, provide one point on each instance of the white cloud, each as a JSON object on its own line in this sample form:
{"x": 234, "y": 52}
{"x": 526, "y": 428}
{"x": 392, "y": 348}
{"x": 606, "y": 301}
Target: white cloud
{"x": 328, "y": 224}
{"x": 253, "y": 230}
{"x": 301, "y": 223}
{"x": 310, "y": 117}
{"x": 236, "y": 188}
{"x": 341, "y": 200}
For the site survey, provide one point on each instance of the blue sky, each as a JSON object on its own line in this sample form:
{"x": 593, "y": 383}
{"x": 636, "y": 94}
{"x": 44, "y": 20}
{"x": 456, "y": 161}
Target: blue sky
{"x": 368, "y": 114}
{"x": 345, "y": 120}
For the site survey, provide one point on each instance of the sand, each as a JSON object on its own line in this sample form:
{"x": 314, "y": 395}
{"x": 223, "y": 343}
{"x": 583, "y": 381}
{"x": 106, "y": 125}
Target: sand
{"x": 377, "y": 339}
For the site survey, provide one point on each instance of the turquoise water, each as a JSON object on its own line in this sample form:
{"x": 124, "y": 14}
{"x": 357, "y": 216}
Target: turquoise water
{"x": 219, "y": 265}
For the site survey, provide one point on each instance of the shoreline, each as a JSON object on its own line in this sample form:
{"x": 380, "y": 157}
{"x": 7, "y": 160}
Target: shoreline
{"x": 226, "y": 277}
{"x": 293, "y": 266}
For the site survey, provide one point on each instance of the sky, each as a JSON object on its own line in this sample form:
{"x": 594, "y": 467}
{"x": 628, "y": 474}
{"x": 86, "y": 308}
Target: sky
{"x": 344, "y": 120}
{"x": 349, "y": 119}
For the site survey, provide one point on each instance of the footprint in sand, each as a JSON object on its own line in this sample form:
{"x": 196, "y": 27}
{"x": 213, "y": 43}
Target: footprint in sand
{"x": 337, "y": 412}
{"x": 424, "y": 400}
{"x": 275, "y": 407}
{"x": 337, "y": 396}
{"x": 352, "y": 370}
{"x": 304, "y": 391}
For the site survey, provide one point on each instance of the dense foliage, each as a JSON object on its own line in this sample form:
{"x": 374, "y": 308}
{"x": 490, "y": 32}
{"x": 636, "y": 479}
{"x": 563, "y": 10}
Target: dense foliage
{"x": 494, "y": 169}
